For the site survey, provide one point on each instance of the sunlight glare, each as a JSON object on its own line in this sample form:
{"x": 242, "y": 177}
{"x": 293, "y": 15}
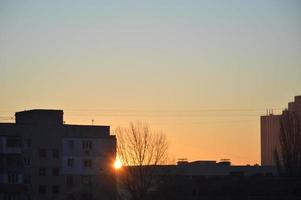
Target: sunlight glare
{"x": 117, "y": 164}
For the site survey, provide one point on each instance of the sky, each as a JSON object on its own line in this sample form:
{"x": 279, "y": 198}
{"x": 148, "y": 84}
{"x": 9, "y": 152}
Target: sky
{"x": 202, "y": 72}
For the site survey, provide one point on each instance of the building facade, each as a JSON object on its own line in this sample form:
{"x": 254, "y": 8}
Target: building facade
{"x": 43, "y": 158}
{"x": 270, "y": 130}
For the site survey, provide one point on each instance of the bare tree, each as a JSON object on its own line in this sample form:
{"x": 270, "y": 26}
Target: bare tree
{"x": 288, "y": 159}
{"x": 140, "y": 149}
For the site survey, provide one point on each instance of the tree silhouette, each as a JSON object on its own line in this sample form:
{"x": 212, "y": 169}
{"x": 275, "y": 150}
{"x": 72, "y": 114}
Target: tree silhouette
{"x": 288, "y": 159}
{"x": 140, "y": 150}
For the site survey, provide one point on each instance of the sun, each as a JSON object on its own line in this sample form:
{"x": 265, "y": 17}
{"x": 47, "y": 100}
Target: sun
{"x": 117, "y": 164}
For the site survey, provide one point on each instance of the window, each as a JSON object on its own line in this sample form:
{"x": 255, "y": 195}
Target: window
{"x": 42, "y": 189}
{"x": 70, "y": 163}
{"x": 27, "y": 179}
{"x": 43, "y": 153}
{"x": 55, "y": 172}
{"x": 27, "y": 162}
{"x": 13, "y": 142}
{"x": 55, "y": 189}
{"x": 42, "y": 172}
{"x": 13, "y": 162}
{"x": 70, "y": 145}
{"x": 87, "y": 145}
{"x": 10, "y": 195}
{"x": 87, "y": 163}
{"x": 87, "y": 196}
{"x": 13, "y": 178}
{"x": 10, "y": 161}
{"x": 87, "y": 180}
{"x": 69, "y": 180}
{"x": 28, "y": 143}
{"x": 55, "y": 153}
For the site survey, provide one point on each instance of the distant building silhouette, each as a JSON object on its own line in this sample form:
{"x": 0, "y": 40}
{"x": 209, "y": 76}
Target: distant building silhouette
{"x": 208, "y": 168}
{"x": 270, "y": 130}
{"x": 204, "y": 179}
{"x": 209, "y": 180}
{"x": 43, "y": 158}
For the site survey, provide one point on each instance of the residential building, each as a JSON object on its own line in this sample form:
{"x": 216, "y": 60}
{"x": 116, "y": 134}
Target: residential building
{"x": 270, "y": 130}
{"x": 43, "y": 158}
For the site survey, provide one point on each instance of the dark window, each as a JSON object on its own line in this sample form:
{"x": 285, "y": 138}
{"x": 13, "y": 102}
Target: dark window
{"x": 87, "y": 145}
{"x": 27, "y": 179}
{"x": 42, "y": 171}
{"x": 13, "y": 162}
{"x": 27, "y": 162}
{"x": 10, "y": 196}
{"x": 13, "y": 178}
{"x": 42, "y": 189}
{"x": 87, "y": 180}
{"x": 55, "y": 172}
{"x": 71, "y": 145}
{"x": 87, "y": 196}
{"x": 70, "y": 163}
{"x": 28, "y": 143}
{"x": 71, "y": 197}
{"x": 13, "y": 142}
{"x": 2, "y": 161}
{"x": 87, "y": 163}
{"x": 55, "y": 153}
{"x": 69, "y": 180}
{"x": 43, "y": 153}
{"x": 55, "y": 189}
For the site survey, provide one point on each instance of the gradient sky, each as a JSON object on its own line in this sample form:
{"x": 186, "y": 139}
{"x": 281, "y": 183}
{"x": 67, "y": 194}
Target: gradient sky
{"x": 200, "y": 71}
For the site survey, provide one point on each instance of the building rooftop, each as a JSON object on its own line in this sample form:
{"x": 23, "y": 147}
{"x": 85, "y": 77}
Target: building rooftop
{"x": 40, "y": 116}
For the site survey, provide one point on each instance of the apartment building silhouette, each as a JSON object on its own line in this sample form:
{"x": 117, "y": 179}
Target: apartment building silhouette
{"x": 270, "y": 130}
{"x": 43, "y": 158}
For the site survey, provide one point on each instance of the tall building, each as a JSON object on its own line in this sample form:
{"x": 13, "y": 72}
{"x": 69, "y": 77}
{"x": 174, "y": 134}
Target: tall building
{"x": 43, "y": 158}
{"x": 270, "y": 130}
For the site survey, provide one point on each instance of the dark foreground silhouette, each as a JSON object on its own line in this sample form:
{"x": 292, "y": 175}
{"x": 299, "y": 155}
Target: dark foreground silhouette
{"x": 230, "y": 187}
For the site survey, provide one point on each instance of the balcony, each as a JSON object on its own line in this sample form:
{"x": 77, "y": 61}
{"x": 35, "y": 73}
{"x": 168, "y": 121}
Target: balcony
{"x": 11, "y": 178}
{"x": 10, "y": 145}
{"x": 11, "y": 150}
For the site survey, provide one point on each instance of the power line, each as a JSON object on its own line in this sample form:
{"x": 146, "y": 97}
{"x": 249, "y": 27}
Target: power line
{"x": 163, "y": 110}
{"x": 161, "y": 113}
{"x": 6, "y": 118}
